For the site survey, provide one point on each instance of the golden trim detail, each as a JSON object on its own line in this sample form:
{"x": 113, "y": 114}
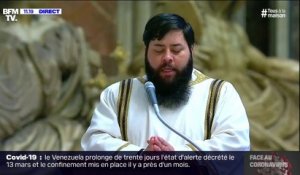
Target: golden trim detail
{"x": 127, "y": 102}
{"x": 123, "y": 105}
{"x": 199, "y": 78}
{"x": 123, "y": 146}
{"x": 192, "y": 147}
{"x": 213, "y": 97}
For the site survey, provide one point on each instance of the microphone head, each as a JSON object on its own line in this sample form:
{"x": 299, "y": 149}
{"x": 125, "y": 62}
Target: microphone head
{"x": 149, "y": 85}
{"x": 150, "y": 89}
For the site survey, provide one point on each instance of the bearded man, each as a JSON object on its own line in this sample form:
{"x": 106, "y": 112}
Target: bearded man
{"x": 209, "y": 112}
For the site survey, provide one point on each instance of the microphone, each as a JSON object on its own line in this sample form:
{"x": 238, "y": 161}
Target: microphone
{"x": 150, "y": 89}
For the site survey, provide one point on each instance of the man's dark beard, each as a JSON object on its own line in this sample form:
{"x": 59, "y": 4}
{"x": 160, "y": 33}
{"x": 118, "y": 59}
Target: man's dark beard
{"x": 175, "y": 93}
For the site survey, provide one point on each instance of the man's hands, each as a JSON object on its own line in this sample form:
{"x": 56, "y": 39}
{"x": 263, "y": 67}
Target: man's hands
{"x": 157, "y": 143}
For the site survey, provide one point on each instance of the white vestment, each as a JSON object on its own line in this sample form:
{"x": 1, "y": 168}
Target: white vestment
{"x": 109, "y": 132}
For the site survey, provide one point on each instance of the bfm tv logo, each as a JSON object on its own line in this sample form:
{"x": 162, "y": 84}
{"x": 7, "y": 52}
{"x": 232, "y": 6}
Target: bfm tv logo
{"x": 10, "y": 14}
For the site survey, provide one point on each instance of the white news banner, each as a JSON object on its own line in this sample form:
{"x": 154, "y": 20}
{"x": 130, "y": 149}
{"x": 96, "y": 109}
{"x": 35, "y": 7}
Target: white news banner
{"x": 40, "y": 11}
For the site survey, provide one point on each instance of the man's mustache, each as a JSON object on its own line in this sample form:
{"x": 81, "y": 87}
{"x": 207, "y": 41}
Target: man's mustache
{"x": 167, "y": 66}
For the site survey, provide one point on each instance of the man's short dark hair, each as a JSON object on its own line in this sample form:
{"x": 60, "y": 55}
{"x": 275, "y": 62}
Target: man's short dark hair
{"x": 160, "y": 24}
